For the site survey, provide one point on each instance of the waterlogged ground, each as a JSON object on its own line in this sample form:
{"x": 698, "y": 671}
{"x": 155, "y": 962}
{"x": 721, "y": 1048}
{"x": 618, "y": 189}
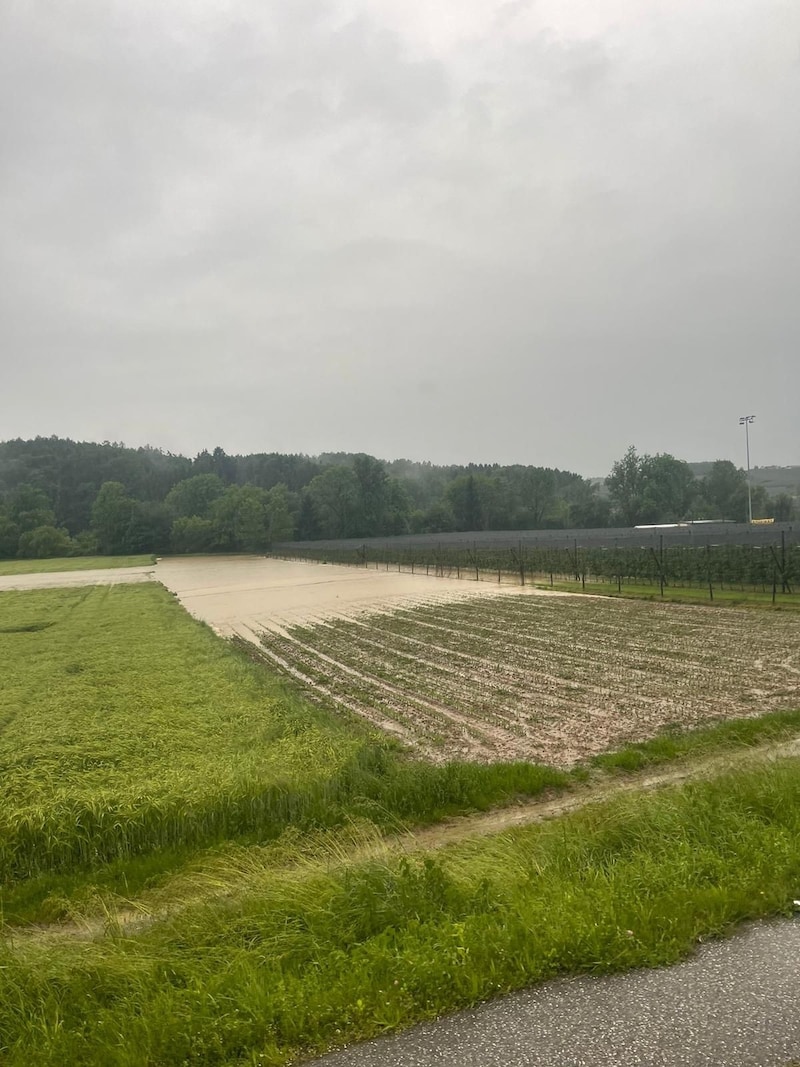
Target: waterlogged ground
{"x": 240, "y": 595}
{"x": 21, "y": 580}
{"x": 481, "y": 671}
{"x": 473, "y": 670}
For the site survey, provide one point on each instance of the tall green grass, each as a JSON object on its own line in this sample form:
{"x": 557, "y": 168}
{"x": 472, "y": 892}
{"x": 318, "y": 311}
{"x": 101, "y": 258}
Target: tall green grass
{"x": 310, "y": 958}
{"x": 672, "y": 745}
{"x": 71, "y": 563}
{"x": 126, "y": 727}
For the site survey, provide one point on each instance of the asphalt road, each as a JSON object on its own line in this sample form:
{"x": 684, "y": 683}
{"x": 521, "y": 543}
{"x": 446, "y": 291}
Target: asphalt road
{"x": 735, "y": 1004}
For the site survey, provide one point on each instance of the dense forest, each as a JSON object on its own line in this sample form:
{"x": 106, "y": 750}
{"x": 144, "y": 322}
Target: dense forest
{"x": 60, "y": 497}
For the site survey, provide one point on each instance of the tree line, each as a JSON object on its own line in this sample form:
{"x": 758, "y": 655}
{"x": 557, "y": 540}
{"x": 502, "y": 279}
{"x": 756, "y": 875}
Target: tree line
{"x": 61, "y": 497}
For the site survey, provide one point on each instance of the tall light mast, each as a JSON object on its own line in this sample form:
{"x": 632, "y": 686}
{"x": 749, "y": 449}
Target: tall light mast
{"x": 745, "y": 421}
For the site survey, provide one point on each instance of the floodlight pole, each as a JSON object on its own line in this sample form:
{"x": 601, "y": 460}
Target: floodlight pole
{"x": 745, "y": 421}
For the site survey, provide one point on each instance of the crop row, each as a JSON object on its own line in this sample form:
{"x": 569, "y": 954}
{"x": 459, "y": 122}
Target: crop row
{"x": 547, "y": 678}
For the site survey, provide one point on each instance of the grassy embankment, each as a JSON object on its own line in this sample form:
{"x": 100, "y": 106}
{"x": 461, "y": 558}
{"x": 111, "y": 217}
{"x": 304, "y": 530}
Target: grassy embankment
{"x": 314, "y": 955}
{"x": 71, "y": 563}
{"x": 131, "y": 736}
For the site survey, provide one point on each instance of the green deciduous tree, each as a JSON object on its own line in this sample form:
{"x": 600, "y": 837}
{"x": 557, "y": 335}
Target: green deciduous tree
{"x": 280, "y": 524}
{"x": 438, "y": 518}
{"x": 308, "y": 525}
{"x": 587, "y": 508}
{"x": 464, "y": 500}
{"x": 626, "y": 489}
{"x": 9, "y": 536}
{"x": 668, "y": 488}
{"x": 538, "y": 494}
{"x": 112, "y": 512}
{"x": 724, "y": 492}
{"x": 29, "y": 508}
{"x": 194, "y": 496}
{"x": 192, "y": 534}
{"x": 373, "y": 487}
{"x": 45, "y": 542}
{"x": 335, "y": 495}
{"x": 784, "y": 508}
{"x": 397, "y": 509}
{"x": 651, "y": 489}
{"x": 239, "y": 517}
{"x": 149, "y": 528}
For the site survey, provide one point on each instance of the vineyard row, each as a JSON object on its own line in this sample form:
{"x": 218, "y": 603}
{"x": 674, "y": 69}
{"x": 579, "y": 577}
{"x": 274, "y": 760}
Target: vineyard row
{"x": 760, "y": 568}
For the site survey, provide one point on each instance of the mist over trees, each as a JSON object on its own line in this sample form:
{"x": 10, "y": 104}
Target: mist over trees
{"x": 60, "y": 497}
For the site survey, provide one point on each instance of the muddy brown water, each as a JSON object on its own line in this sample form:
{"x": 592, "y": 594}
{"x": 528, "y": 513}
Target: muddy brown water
{"x": 244, "y": 594}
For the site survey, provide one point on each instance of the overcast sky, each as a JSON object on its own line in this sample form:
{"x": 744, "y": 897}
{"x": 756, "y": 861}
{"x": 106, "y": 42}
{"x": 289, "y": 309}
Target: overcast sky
{"x": 533, "y": 231}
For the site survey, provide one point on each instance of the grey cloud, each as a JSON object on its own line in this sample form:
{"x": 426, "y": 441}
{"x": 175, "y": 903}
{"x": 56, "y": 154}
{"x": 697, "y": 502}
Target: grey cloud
{"x": 402, "y": 247}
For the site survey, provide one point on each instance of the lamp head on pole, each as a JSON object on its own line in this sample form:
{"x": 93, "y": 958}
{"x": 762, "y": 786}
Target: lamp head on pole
{"x": 746, "y": 418}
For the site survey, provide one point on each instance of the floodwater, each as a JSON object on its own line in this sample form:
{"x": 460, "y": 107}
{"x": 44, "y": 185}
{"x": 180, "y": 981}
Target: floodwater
{"x": 244, "y": 595}
{"x": 71, "y": 579}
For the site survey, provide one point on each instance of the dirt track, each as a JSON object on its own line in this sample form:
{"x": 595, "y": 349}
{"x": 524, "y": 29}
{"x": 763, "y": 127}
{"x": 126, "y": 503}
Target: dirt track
{"x": 132, "y": 920}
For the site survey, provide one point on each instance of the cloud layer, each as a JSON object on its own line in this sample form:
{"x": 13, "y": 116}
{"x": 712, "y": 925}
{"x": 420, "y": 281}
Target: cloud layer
{"x": 523, "y": 232}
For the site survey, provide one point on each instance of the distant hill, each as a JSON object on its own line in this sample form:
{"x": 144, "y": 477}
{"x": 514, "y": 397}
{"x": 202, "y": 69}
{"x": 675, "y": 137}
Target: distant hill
{"x": 774, "y": 479}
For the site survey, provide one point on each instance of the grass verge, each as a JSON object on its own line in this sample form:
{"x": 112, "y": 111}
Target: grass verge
{"x": 310, "y": 959}
{"x": 71, "y": 563}
{"x": 709, "y": 741}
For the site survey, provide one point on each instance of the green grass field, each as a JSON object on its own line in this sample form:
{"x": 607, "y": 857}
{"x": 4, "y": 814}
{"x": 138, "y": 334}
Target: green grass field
{"x": 129, "y": 734}
{"x": 71, "y": 563}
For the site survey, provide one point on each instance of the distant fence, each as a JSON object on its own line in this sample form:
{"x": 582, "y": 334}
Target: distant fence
{"x": 730, "y": 556}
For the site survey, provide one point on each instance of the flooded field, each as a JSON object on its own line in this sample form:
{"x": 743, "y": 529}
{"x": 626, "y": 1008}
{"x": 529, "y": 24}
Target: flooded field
{"x": 549, "y": 679}
{"x": 472, "y": 670}
{"x": 244, "y": 595}
{"x": 480, "y": 671}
